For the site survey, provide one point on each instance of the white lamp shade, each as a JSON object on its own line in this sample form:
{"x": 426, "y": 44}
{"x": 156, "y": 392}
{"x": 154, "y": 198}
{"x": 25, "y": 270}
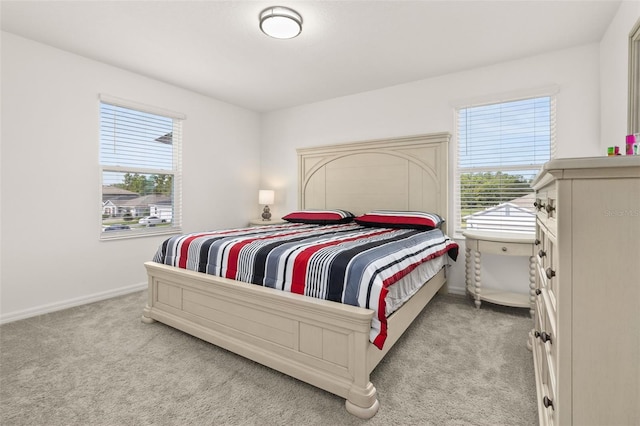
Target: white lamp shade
{"x": 266, "y": 196}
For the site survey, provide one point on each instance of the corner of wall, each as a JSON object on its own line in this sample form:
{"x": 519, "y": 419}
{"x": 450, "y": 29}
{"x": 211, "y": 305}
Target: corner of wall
{"x": 614, "y": 74}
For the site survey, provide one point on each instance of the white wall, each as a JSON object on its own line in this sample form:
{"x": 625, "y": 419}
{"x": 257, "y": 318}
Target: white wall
{"x": 426, "y": 106}
{"x": 50, "y": 117}
{"x": 51, "y": 255}
{"x": 614, "y": 75}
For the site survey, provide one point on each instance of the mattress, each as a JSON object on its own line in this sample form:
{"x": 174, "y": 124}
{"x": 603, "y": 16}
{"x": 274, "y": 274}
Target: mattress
{"x": 369, "y": 267}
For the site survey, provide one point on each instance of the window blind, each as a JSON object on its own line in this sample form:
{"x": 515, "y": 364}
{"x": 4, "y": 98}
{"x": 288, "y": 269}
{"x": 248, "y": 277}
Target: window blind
{"x": 140, "y": 159}
{"x": 501, "y": 147}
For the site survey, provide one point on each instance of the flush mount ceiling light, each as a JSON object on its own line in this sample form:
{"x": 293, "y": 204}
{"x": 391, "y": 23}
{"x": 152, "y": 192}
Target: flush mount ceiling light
{"x": 280, "y": 22}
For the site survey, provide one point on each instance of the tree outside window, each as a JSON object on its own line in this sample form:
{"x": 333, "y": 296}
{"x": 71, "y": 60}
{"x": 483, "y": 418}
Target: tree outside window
{"x": 501, "y": 147}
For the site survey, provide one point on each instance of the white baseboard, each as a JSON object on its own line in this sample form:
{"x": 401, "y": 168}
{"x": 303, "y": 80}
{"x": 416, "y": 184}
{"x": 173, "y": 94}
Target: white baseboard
{"x": 65, "y": 304}
{"x": 459, "y": 290}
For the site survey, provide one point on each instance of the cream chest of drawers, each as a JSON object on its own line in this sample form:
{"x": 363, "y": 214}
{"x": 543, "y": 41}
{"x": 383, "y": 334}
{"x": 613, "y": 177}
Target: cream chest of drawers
{"x": 586, "y": 336}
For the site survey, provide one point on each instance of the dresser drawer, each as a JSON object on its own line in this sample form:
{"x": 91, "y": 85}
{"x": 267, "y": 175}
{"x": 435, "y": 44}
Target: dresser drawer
{"x": 542, "y": 245}
{"x": 547, "y": 265}
{"x": 545, "y": 367}
{"x": 548, "y": 406}
{"x": 546, "y": 206}
{"x": 549, "y": 273}
{"x": 548, "y": 336}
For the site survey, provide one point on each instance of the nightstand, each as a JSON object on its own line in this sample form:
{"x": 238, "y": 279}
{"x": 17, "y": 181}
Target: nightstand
{"x": 260, "y": 222}
{"x": 502, "y": 243}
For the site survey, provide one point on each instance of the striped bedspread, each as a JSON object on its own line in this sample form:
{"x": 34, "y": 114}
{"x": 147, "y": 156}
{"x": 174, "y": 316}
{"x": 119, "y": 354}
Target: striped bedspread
{"x": 345, "y": 263}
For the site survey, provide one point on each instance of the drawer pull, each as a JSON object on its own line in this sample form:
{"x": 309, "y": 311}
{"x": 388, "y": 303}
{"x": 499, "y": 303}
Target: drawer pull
{"x": 549, "y": 208}
{"x": 504, "y": 249}
{"x": 545, "y": 337}
{"x": 537, "y": 242}
{"x": 538, "y": 292}
{"x": 536, "y": 334}
{"x": 538, "y": 204}
{"x": 542, "y": 253}
{"x": 548, "y": 402}
{"x": 550, "y": 273}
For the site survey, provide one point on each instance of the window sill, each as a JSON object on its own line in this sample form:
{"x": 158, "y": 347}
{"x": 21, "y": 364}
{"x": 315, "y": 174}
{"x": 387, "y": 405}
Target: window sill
{"x": 125, "y": 235}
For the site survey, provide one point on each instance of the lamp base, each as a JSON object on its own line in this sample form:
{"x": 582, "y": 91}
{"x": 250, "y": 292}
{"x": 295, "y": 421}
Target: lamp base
{"x": 266, "y": 213}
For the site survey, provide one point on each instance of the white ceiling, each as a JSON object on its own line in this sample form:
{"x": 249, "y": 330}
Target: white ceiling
{"x": 216, "y": 48}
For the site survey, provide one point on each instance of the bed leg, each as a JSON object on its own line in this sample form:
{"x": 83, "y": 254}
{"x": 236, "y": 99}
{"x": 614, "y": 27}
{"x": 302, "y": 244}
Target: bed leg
{"x": 367, "y": 397}
{"x": 146, "y": 319}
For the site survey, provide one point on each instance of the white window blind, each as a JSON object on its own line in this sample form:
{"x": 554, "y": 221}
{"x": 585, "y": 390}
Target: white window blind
{"x": 140, "y": 159}
{"x": 501, "y": 148}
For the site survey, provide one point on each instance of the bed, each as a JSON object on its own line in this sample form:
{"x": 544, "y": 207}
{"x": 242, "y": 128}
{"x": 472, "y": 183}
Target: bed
{"x": 321, "y": 342}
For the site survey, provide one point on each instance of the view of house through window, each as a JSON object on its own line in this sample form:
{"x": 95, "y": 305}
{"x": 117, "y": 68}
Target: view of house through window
{"x": 139, "y": 157}
{"x": 501, "y": 148}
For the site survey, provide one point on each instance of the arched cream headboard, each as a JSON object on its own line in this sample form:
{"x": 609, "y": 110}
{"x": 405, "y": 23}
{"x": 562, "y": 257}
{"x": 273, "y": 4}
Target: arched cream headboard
{"x": 408, "y": 173}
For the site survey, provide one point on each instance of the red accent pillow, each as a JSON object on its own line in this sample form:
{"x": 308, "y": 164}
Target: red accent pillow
{"x": 400, "y": 219}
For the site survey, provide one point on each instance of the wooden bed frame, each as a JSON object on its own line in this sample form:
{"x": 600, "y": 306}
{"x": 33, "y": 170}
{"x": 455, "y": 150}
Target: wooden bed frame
{"x": 322, "y": 343}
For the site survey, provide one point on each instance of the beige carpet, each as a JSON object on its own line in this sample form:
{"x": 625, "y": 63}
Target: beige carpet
{"x": 98, "y": 364}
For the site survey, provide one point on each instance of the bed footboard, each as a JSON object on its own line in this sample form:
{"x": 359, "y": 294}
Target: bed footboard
{"x": 320, "y": 342}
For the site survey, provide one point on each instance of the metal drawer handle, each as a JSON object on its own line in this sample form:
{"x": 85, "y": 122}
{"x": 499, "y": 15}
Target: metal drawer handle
{"x": 538, "y": 204}
{"x": 542, "y": 253}
{"x": 549, "y": 208}
{"x": 504, "y": 249}
{"x": 538, "y": 292}
{"x": 537, "y": 242}
{"x": 548, "y": 402}
{"x": 550, "y": 273}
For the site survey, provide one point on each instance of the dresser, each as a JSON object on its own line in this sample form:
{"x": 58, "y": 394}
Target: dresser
{"x": 586, "y": 335}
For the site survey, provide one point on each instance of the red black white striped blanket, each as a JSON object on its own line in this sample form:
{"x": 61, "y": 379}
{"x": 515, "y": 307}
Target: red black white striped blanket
{"x": 345, "y": 263}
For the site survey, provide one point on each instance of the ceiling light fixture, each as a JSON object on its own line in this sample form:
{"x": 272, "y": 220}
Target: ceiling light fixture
{"x": 280, "y": 22}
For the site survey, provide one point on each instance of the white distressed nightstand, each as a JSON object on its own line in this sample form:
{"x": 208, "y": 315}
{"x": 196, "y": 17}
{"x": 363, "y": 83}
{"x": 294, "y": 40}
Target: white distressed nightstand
{"x": 501, "y": 243}
{"x": 260, "y": 222}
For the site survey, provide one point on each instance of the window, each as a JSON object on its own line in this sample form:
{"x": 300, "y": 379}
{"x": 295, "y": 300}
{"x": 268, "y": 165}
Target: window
{"x": 141, "y": 169}
{"x": 501, "y": 147}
